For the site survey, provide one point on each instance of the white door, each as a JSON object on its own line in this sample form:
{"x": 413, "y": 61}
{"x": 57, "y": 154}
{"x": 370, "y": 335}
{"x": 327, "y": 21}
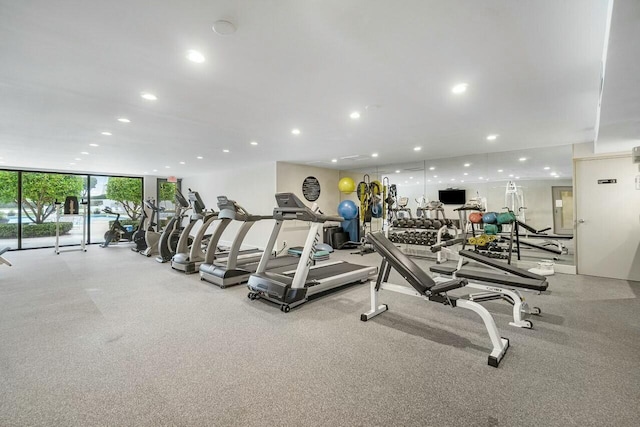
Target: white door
{"x": 608, "y": 218}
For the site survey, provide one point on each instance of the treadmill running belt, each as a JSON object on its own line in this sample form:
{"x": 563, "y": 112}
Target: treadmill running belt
{"x": 322, "y": 272}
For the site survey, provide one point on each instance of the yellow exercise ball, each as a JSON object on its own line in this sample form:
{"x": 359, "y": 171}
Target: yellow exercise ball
{"x": 346, "y": 185}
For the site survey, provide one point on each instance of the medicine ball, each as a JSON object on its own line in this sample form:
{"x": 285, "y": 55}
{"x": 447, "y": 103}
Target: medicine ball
{"x": 490, "y": 218}
{"x": 475, "y": 217}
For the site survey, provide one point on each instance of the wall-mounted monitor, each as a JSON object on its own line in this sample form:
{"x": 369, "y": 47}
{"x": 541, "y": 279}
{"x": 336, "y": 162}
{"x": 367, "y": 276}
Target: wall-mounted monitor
{"x": 452, "y": 197}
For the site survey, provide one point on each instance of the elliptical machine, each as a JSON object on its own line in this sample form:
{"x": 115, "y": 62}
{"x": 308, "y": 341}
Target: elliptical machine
{"x": 151, "y": 236}
{"x": 117, "y": 232}
{"x": 146, "y": 223}
{"x": 168, "y": 242}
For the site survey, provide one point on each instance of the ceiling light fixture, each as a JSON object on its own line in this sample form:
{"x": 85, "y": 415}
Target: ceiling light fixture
{"x": 77, "y": 159}
{"x": 86, "y": 153}
{"x": 334, "y": 160}
{"x": 72, "y": 164}
{"x": 462, "y": 180}
{"x": 523, "y": 159}
{"x": 492, "y": 137}
{"x": 295, "y": 131}
{"x": 459, "y": 88}
{"x": 546, "y": 168}
{"x": 106, "y": 133}
{"x": 94, "y": 145}
{"x": 410, "y": 177}
{"x": 517, "y": 177}
{"x": 199, "y": 157}
{"x": 466, "y": 173}
{"x": 253, "y": 143}
{"x": 149, "y": 96}
{"x": 466, "y": 165}
{"x": 553, "y": 173}
{"x": 435, "y": 176}
{"x": 195, "y": 56}
{"x": 155, "y": 170}
{"x": 225, "y": 151}
{"x": 417, "y": 148}
{"x": 182, "y": 163}
{"x": 500, "y": 171}
{"x": 398, "y": 171}
{"x": 167, "y": 167}
{"x": 510, "y": 175}
{"x": 374, "y": 155}
{"x": 406, "y": 182}
{"x": 432, "y": 168}
{"x": 124, "y": 120}
{"x": 480, "y": 177}
{"x": 355, "y": 115}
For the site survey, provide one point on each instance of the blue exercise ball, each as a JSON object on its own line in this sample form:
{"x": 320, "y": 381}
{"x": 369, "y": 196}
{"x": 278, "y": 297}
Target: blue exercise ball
{"x": 347, "y": 209}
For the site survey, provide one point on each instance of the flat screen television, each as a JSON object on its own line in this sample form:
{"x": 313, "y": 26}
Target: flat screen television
{"x": 452, "y": 197}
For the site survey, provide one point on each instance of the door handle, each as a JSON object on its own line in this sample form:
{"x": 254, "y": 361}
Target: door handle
{"x": 580, "y": 221}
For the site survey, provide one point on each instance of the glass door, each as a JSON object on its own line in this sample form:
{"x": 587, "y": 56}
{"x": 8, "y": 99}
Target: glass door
{"x": 562, "y": 210}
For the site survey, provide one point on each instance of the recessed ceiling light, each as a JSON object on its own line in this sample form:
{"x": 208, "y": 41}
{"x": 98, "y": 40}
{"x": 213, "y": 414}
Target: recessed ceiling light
{"x": 182, "y": 163}
{"x": 432, "y": 168}
{"x": 85, "y": 153}
{"x": 522, "y": 159}
{"x": 460, "y": 88}
{"x": 553, "y": 173}
{"x": 546, "y": 168}
{"x": 124, "y": 120}
{"x": 223, "y": 27}
{"x": 556, "y": 176}
{"x": 398, "y": 171}
{"x": 480, "y": 177}
{"x": 517, "y": 177}
{"x": 500, "y": 170}
{"x": 355, "y": 115}
{"x": 106, "y": 133}
{"x": 435, "y": 176}
{"x": 462, "y": 180}
{"x": 148, "y": 96}
{"x": 72, "y": 164}
{"x": 510, "y": 175}
{"x": 466, "y": 173}
{"x": 466, "y": 165}
{"x": 199, "y": 157}
{"x": 428, "y": 180}
{"x": 155, "y": 170}
{"x": 406, "y": 182}
{"x": 374, "y": 155}
{"x": 295, "y": 131}
{"x": 195, "y": 56}
{"x": 77, "y": 159}
{"x": 417, "y": 148}
{"x": 439, "y": 182}
{"x": 253, "y": 143}
{"x": 453, "y": 179}
{"x": 225, "y": 151}
{"x": 417, "y": 182}
{"x": 492, "y": 137}
{"x": 410, "y": 177}
{"x": 334, "y": 160}
{"x": 94, "y": 145}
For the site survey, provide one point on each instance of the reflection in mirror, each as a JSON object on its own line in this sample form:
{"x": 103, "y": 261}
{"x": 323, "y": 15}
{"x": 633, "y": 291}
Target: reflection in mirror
{"x": 537, "y": 184}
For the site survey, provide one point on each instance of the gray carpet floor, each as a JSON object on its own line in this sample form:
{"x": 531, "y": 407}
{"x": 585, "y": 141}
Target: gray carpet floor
{"x": 108, "y": 337}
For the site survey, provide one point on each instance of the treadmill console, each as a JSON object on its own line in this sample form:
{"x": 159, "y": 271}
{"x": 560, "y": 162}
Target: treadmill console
{"x": 196, "y": 202}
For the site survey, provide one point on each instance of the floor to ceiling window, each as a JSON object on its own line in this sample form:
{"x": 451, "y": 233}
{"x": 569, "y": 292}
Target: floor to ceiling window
{"x": 9, "y": 209}
{"x": 121, "y": 195}
{"x": 28, "y": 208}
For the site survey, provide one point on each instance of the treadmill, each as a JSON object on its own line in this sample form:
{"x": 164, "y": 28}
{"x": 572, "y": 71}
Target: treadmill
{"x": 234, "y": 271}
{"x": 290, "y": 289}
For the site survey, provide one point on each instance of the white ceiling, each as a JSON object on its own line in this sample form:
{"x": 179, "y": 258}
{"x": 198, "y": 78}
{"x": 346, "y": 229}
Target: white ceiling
{"x": 70, "y": 68}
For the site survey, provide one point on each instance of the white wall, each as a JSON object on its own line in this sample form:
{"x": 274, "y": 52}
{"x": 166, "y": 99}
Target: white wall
{"x": 253, "y": 188}
{"x": 289, "y": 178}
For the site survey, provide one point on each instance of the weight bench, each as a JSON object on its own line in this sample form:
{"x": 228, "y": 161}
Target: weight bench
{"x": 3, "y": 260}
{"x": 426, "y": 288}
{"x": 509, "y": 282}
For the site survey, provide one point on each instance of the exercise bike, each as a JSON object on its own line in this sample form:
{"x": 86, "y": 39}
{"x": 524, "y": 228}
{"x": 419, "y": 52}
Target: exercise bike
{"x": 117, "y": 232}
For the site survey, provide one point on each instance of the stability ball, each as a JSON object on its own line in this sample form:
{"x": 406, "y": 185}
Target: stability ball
{"x": 347, "y": 209}
{"x": 347, "y": 185}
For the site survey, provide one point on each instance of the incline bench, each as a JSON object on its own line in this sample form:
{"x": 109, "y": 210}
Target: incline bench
{"x": 504, "y": 285}
{"x": 424, "y": 287}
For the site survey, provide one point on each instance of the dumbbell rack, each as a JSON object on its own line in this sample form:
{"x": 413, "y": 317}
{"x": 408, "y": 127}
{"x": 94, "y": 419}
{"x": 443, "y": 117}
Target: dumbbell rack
{"x": 491, "y": 254}
{"x": 412, "y": 236}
